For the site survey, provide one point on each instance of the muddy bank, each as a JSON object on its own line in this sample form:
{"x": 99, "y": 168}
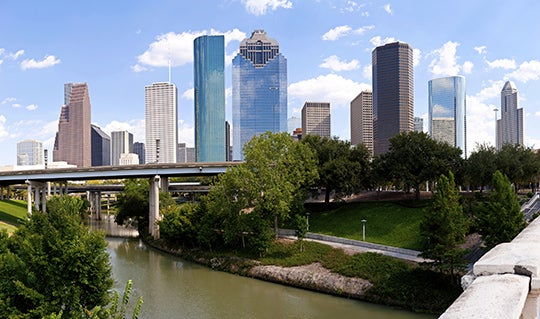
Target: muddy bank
{"x": 313, "y": 277}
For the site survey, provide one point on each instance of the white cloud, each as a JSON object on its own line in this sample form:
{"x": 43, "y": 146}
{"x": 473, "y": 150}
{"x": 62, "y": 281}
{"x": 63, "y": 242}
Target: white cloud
{"x": 502, "y": 64}
{"x": 189, "y": 94}
{"x": 3, "y": 130}
{"x": 186, "y": 133}
{"x": 445, "y": 62}
{"x": 363, "y": 29}
{"x": 480, "y": 49}
{"x": 367, "y": 72}
{"x": 388, "y": 9}
{"x": 467, "y": 67}
{"x": 178, "y": 48}
{"x": 352, "y": 6}
{"x": 47, "y": 62}
{"x": 260, "y": 7}
{"x": 336, "y": 33}
{"x": 417, "y": 55}
{"x": 31, "y": 107}
{"x": 8, "y": 100}
{"x": 16, "y": 105}
{"x": 378, "y": 41}
{"x": 335, "y": 64}
{"x": 332, "y": 88}
{"x": 529, "y": 70}
{"x": 135, "y": 127}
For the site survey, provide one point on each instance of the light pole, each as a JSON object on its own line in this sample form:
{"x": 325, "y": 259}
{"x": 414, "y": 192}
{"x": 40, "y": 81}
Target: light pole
{"x": 496, "y": 131}
{"x": 307, "y": 221}
{"x": 364, "y": 229}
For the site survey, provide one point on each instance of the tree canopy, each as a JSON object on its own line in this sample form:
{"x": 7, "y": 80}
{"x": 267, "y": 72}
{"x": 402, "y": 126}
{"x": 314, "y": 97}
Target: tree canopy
{"x": 53, "y": 264}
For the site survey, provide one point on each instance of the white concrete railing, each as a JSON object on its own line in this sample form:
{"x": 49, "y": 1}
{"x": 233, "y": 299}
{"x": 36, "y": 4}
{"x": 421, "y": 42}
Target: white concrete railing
{"x": 505, "y": 282}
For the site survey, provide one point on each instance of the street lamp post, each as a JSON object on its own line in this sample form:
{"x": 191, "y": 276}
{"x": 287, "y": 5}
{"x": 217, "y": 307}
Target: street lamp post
{"x": 364, "y": 229}
{"x": 307, "y": 221}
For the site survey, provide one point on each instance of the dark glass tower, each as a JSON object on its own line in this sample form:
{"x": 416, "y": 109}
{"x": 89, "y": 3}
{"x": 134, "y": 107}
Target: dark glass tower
{"x": 393, "y": 93}
{"x": 101, "y": 147}
{"x": 259, "y": 90}
{"x": 209, "y": 87}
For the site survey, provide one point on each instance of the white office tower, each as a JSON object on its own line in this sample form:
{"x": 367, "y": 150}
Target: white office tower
{"x": 121, "y": 143}
{"x": 161, "y": 122}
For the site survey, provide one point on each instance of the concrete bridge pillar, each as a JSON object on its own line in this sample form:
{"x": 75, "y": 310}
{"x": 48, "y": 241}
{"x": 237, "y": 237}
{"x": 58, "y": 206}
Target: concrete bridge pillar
{"x": 154, "y": 206}
{"x": 97, "y": 204}
{"x": 29, "y": 197}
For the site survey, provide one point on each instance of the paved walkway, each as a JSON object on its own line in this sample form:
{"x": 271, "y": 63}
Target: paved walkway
{"x": 357, "y": 245}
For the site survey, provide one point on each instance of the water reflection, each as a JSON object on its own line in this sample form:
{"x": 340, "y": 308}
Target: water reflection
{"x": 174, "y": 288}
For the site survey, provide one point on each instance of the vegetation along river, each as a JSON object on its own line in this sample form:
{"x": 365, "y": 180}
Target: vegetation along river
{"x": 174, "y": 288}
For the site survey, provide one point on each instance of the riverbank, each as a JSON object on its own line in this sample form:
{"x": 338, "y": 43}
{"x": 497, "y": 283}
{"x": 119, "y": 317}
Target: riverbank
{"x": 378, "y": 279}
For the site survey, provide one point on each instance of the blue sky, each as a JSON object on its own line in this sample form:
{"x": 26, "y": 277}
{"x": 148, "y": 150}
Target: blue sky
{"x": 120, "y": 46}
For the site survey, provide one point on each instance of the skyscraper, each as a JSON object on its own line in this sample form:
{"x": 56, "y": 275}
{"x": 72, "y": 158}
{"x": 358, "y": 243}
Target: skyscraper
{"x": 418, "y": 124}
{"x": 259, "y": 90}
{"x": 510, "y": 125}
{"x": 73, "y": 140}
{"x": 30, "y": 152}
{"x": 393, "y": 93}
{"x": 447, "y": 111}
{"x": 316, "y": 119}
{"x": 209, "y": 87}
{"x": 138, "y": 148}
{"x": 121, "y": 143}
{"x": 362, "y": 120}
{"x": 101, "y": 147}
{"x": 161, "y": 108}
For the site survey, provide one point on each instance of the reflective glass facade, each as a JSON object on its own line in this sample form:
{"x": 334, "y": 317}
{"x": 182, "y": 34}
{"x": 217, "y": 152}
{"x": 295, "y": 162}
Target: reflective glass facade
{"x": 510, "y": 125}
{"x": 209, "y": 88}
{"x": 259, "y": 90}
{"x": 30, "y": 152}
{"x": 447, "y": 108}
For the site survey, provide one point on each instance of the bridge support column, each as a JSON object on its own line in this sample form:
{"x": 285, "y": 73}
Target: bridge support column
{"x": 44, "y": 198}
{"x": 97, "y": 204}
{"x": 154, "y": 207}
{"x": 29, "y": 198}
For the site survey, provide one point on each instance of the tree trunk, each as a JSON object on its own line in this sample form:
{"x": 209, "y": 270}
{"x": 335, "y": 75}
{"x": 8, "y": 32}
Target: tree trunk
{"x": 276, "y": 227}
{"x": 327, "y": 195}
{"x": 417, "y": 192}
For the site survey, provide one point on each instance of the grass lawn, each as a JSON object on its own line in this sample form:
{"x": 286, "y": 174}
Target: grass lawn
{"x": 388, "y": 223}
{"x": 13, "y": 211}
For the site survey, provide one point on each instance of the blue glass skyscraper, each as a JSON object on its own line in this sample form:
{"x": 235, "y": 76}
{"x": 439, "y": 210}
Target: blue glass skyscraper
{"x": 209, "y": 87}
{"x": 447, "y": 108}
{"x": 259, "y": 90}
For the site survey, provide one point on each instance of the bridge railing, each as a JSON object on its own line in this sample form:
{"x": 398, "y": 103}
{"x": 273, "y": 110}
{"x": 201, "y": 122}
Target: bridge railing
{"x": 505, "y": 282}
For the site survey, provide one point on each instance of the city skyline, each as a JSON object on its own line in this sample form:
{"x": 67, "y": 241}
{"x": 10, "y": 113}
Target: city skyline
{"x": 328, "y": 61}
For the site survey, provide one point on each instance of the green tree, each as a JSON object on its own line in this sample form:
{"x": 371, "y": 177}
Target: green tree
{"x": 444, "y": 226}
{"x": 500, "y": 218}
{"x": 480, "y": 166}
{"x": 517, "y": 163}
{"x": 342, "y": 169}
{"x": 133, "y": 203}
{"x": 414, "y": 158}
{"x": 248, "y": 200}
{"x": 53, "y": 264}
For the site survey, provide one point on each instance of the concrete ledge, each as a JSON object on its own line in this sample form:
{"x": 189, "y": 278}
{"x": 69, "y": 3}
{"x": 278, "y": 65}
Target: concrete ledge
{"x": 530, "y": 233}
{"x": 510, "y": 258}
{"x": 491, "y": 297}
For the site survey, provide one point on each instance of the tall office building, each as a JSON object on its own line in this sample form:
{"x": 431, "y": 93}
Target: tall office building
{"x": 161, "y": 112}
{"x": 393, "y": 93}
{"x": 316, "y": 119}
{"x": 73, "y": 140}
{"x": 209, "y": 87}
{"x": 185, "y": 154}
{"x": 447, "y": 111}
{"x": 121, "y": 143}
{"x": 362, "y": 120}
{"x": 101, "y": 147}
{"x": 418, "y": 124}
{"x": 138, "y": 148}
{"x": 259, "y": 90}
{"x": 30, "y": 152}
{"x": 510, "y": 125}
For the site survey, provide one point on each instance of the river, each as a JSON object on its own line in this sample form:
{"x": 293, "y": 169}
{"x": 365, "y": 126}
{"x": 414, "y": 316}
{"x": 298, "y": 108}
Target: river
{"x": 174, "y": 288}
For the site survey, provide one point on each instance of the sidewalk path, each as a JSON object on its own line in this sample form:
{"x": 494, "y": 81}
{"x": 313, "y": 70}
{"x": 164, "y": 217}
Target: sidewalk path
{"x": 354, "y": 246}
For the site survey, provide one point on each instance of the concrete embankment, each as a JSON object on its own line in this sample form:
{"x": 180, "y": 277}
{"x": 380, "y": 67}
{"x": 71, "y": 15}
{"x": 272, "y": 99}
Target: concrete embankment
{"x": 313, "y": 277}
